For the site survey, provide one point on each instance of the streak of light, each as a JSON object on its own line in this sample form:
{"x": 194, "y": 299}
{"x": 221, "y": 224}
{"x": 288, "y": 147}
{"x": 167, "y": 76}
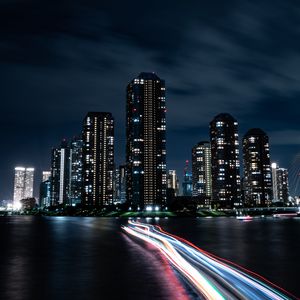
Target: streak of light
{"x": 212, "y": 277}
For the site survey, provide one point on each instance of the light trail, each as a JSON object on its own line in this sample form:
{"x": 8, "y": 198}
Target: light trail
{"x": 212, "y": 277}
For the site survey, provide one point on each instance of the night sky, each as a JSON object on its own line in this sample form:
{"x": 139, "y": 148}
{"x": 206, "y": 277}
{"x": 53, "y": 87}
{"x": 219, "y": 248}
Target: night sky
{"x": 61, "y": 59}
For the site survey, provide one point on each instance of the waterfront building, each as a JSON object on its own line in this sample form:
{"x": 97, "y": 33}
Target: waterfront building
{"x": 146, "y": 142}
{"x": 226, "y": 182}
{"x": 201, "y": 171}
{"x": 75, "y": 189}
{"x": 60, "y": 174}
{"x": 280, "y": 184}
{"x": 257, "y": 180}
{"x": 187, "y": 183}
{"x": 173, "y": 182}
{"x": 45, "y": 193}
{"x": 23, "y": 184}
{"x": 46, "y": 175}
{"x": 98, "y": 159}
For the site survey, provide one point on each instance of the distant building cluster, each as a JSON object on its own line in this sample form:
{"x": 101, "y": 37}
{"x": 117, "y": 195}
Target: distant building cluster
{"x": 23, "y": 185}
{"x": 83, "y": 170}
{"x": 216, "y": 168}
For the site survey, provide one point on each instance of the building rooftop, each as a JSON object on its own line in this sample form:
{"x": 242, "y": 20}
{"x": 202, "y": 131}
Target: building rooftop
{"x": 148, "y": 76}
{"x": 224, "y": 116}
{"x": 255, "y": 132}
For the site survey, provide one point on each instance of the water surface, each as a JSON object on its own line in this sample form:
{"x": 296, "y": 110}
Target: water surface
{"x": 90, "y": 258}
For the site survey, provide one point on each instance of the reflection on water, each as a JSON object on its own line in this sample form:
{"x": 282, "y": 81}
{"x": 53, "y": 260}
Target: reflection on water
{"x": 90, "y": 258}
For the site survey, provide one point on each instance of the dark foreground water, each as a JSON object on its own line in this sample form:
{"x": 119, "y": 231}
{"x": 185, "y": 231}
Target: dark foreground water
{"x": 90, "y": 258}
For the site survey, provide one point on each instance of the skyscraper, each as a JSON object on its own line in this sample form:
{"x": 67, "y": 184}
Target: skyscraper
{"x": 46, "y": 175}
{"x": 187, "y": 183}
{"x": 116, "y": 185}
{"x": 225, "y": 161}
{"x": 280, "y": 184}
{"x": 173, "y": 182}
{"x": 23, "y": 184}
{"x": 98, "y": 159}
{"x": 146, "y": 141}
{"x": 60, "y": 174}
{"x": 75, "y": 171}
{"x": 45, "y": 190}
{"x": 120, "y": 184}
{"x": 201, "y": 171}
{"x": 257, "y": 170}
{"x": 28, "y": 185}
{"x": 19, "y": 185}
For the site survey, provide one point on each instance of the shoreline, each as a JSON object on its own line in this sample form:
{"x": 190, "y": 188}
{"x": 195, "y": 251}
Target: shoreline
{"x": 157, "y": 214}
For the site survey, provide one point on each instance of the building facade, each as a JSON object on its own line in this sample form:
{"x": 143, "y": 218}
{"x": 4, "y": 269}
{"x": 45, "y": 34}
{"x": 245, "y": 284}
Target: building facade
{"x": 280, "y": 184}
{"x": 146, "y": 141}
{"x": 226, "y": 182}
{"x": 28, "y": 185}
{"x": 45, "y": 194}
{"x": 257, "y": 180}
{"x": 23, "y": 184}
{"x": 201, "y": 171}
{"x": 173, "y": 182}
{"x": 187, "y": 183}
{"x": 120, "y": 185}
{"x": 75, "y": 178}
{"x": 45, "y": 190}
{"x": 60, "y": 174}
{"x": 46, "y": 175}
{"x": 98, "y": 159}
{"x": 19, "y": 185}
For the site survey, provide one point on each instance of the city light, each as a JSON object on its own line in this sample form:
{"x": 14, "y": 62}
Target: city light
{"x": 212, "y": 277}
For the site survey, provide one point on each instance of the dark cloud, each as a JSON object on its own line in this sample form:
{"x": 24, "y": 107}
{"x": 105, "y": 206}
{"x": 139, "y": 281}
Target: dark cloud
{"x": 61, "y": 59}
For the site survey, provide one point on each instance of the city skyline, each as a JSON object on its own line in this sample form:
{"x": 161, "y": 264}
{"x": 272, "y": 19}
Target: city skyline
{"x": 75, "y": 171}
{"x": 214, "y": 58}
{"x": 150, "y": 149}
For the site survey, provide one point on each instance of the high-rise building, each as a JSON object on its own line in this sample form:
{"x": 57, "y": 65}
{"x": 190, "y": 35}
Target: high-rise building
{"x": 173, "y": 182}
{"x": 226, "y": 182}
{"x": 120, "y": 184}
{"x": 116, "y": 185}
{"x": 75, "y": 183}
{"x": 283, "y": 185}
{"x": 98, "y": 159}
{"x": 280, "y": 184}
{"x": 45, "y": 194}
{"x": 257, "y": 182}
{"x": 23, "y": 184}
{"x": 19, "y": 185}
{"x": 187, "y": 183}
{"x": 45, "y": 190}
{"x": 28, "y": 185}
{"x": 60, "y": 174}
{"x": 46, "y": 175}
{"x": 146, "y": 141}
{"x": 201, "y": 171}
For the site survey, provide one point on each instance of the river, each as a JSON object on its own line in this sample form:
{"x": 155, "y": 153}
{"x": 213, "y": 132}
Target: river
{"x": 91, "y": 258}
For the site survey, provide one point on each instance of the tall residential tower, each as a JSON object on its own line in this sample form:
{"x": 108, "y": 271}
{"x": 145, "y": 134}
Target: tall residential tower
{"x": 60, "y": 174}
{"x": 201, "y": 171}
{"x": 98, "y": 159}
{"x": 226, "y": 183}
{"x": 257, "y": 181}
{"x": 75, "y": 189}
{"x": 23, "y": 184}
{"x": 146, "y": 141}
{"x": 280, "y": 184}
